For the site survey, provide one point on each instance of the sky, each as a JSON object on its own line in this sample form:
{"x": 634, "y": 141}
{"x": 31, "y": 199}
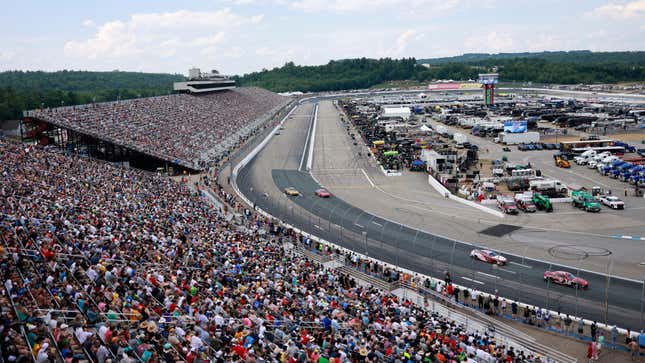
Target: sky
{"x": 241, "y": 36}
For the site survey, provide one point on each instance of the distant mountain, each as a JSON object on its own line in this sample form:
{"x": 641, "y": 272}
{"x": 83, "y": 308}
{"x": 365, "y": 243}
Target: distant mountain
{"x": 574, "y": 56}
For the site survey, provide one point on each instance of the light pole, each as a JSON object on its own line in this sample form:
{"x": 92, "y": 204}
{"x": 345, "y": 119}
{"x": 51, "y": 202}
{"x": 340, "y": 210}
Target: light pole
{"x": 342, "y": 222}
{"x": 329, "y": 218}
{"x": 642, "y": 296}
{"x": 313, "y": 208}
{"x": 364, "y": 233}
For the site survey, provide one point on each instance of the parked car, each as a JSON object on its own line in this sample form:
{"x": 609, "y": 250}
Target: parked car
{"x": 565, "y": 278}
{"x": 488, "y": 256}
{"x": 612, "y": 202}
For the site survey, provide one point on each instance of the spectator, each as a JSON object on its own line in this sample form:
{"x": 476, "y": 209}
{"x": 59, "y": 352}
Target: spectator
{"x": 169, "y": 278}
{"x": 190, "y": 129}
{"x": 614, "y": 336}
{"x": 567, "y": 324}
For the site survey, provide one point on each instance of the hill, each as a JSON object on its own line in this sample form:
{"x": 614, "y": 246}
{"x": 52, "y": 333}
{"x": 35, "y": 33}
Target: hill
{"x": 335, "y": 75}
{"x": 27, "y": 90}
{"x": 574, "y": 56}
{"x": 545, "y": 67}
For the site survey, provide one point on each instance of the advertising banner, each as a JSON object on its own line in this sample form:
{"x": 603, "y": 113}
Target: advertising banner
{"x": 515, "y": 126}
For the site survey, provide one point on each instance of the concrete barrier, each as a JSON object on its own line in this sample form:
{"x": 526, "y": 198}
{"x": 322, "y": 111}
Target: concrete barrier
{"x": 445, "y": 192}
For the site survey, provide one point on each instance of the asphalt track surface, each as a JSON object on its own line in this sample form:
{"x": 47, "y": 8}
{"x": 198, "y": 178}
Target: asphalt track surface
{"x": 617, "y": 301}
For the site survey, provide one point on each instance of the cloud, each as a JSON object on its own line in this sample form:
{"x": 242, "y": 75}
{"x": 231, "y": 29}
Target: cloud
{"x": 403, "y": 39}
{"x": 492, "y": 42}
{"x": 346, "y": 6}
{"x": 209, "y": 40}
{"x": 629, "y": 10}
{"x": 88, "y": 23}
{"x": 7, "y": 55}
{"x": 282, "y": 54}
{"x": 152, "y": 34}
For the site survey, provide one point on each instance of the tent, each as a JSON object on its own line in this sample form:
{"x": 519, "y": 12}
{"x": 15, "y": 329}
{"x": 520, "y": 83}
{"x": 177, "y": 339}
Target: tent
{"x": 417, "y": 163}
{"x": 425, "y": 128}
{"x": 391, "y": 153}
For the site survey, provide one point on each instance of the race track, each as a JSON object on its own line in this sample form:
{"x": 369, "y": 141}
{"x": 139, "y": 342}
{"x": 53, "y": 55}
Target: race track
{"x": 616, "y": 300}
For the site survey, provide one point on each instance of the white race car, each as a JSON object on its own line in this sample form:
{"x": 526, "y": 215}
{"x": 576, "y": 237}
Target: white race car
{"x": 612, "y": 202}
{"x": 488, "y": 256}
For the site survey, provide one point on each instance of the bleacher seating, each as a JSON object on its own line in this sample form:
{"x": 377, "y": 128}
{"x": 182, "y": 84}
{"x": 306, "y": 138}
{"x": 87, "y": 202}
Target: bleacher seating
{"x": 191, "y": 130}
{"x": 105, "y": 263}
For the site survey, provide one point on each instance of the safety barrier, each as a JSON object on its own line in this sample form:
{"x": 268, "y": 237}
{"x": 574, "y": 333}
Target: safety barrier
{"x": 444, "y": 191}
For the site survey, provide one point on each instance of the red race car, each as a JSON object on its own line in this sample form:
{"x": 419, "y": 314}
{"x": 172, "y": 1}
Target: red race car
{"x": 488, "y": 256}
{"x": 565, "y": 278}
{"x": 323, "y": 193}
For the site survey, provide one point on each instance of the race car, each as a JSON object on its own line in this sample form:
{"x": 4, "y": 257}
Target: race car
{"x": 565, "y": 278}
{"x": 488, "y": 256}
{"x": 323, "y": 193}
{"x": 291, "y": 191}
{"x": 612, "y": 202}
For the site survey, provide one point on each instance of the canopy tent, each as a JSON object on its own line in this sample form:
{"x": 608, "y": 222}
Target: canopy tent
{"x": 425, "y": 128}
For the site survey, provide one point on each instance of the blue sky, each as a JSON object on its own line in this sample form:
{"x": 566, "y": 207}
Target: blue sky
{"x": 239, "y": 36}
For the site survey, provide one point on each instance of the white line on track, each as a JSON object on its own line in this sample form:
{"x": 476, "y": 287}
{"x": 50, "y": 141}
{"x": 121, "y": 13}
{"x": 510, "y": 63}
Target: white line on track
{"x": 475, "y": 281}
{"x": 304, "y": 150}
{"x": 487, "y": 275}
{"x": 358, "y": 225}
{"x": 377, "y": 223}
{"x": 521, "y": 265}
{"x": 317, "y": 226}
{"x": 368, "y": 178}
{"x": 508, "y": 271}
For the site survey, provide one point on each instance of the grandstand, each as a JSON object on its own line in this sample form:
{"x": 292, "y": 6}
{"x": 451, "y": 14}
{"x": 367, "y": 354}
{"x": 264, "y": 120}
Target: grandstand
{"x": 101, "y": 263}
{"x": 177, "y": 132}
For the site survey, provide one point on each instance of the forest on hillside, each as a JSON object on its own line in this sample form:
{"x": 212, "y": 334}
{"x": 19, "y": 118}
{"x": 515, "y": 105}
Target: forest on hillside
{"x": 547, "y": 67}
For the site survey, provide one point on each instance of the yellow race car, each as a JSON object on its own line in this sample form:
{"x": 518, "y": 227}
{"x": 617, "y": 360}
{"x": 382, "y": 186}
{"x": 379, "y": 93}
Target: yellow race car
{"x": 291, "y": 191}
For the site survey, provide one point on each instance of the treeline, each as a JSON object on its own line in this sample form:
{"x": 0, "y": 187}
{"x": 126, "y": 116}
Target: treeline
{"x": 335, "y": 75}
{"x": 28, "y": 90}
{"x": 574, "y": 56}
{"x": 547, "y": 67}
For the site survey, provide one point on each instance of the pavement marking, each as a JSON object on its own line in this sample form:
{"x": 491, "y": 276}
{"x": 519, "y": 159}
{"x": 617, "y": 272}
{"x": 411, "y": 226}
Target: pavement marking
{"x": 377, "y": 223}
{"x": 304, "y": 150}
{"x": 520, "y": 264}
{"x": 472, "y": 280}
{"x": 317, "y": 226}
{"x": 488, "y": 275}
{"x": 358, "y": 225}
{"x": 635, "y": 238}
{"x": 368, "y": 178}
{"x": 505, "y": 270}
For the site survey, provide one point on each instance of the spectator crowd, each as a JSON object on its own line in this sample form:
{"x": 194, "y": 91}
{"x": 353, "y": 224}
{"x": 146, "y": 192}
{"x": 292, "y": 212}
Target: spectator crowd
{"x": 102, "y": 264}
{"x": 192, "y": 130}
